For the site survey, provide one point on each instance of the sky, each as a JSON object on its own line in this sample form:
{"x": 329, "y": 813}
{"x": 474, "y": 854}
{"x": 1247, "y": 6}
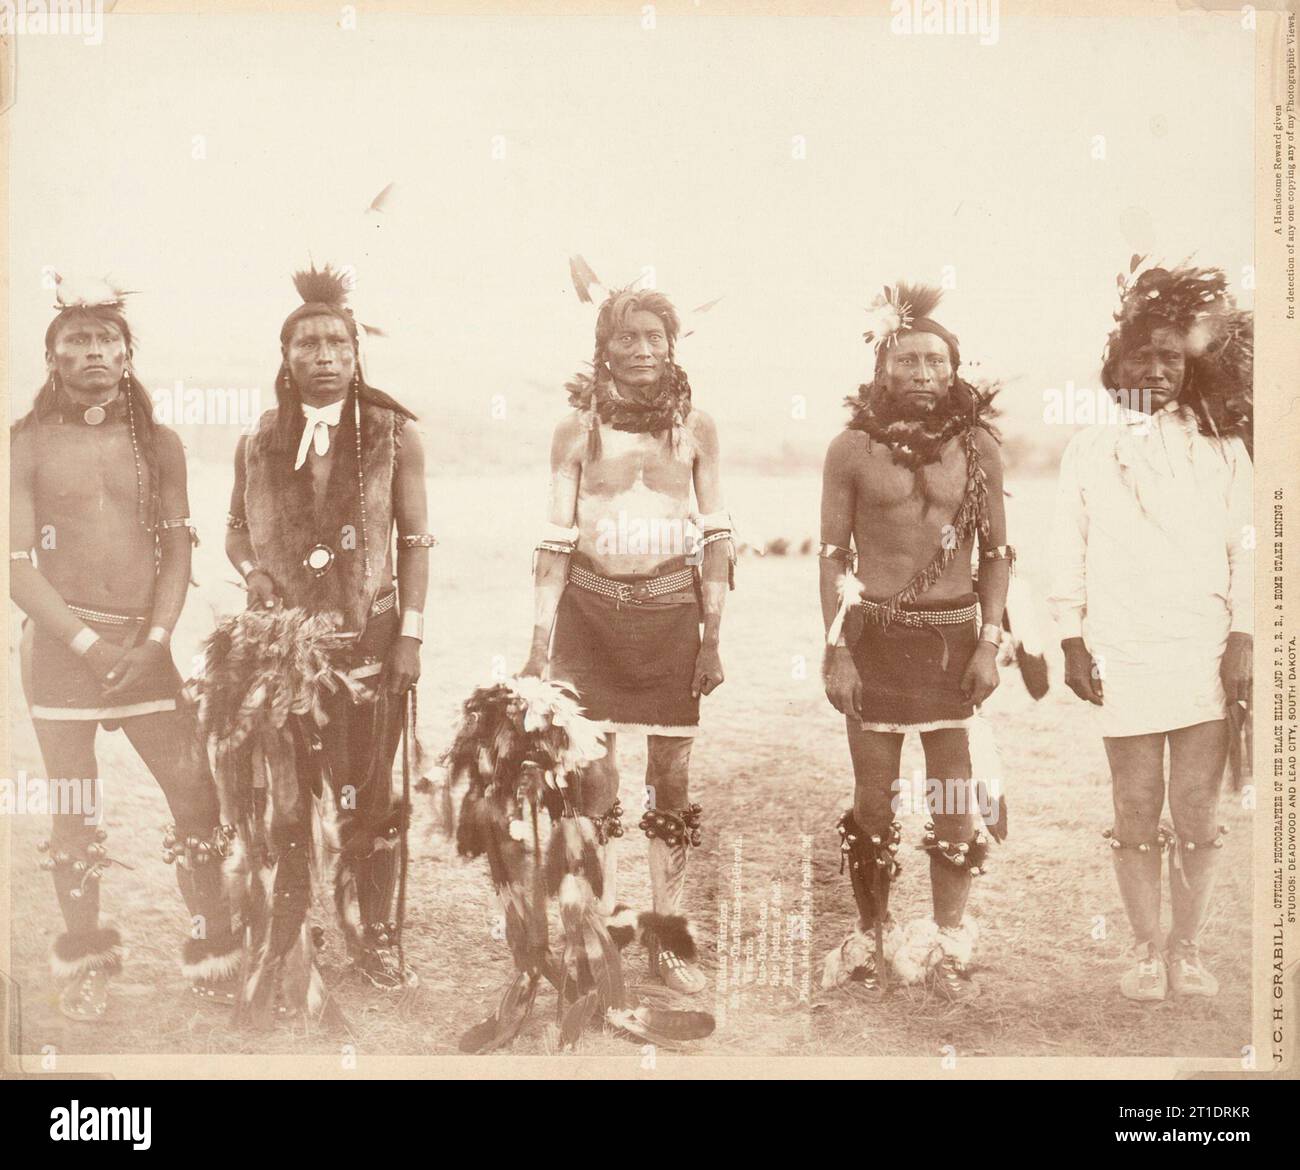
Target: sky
{"x": 789, "y": 166}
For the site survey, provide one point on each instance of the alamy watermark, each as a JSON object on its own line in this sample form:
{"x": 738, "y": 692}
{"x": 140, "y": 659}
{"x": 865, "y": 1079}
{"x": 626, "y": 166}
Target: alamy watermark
{"x": 25, "y": 795}
{"x": 182, "y": 405}
{"x": 627, "y": 535}
{"x": 69, "y": 18}
{"x": 923, "y": 796}
{"x": 954, "y": 18}
{"x": 1084, "y": 406}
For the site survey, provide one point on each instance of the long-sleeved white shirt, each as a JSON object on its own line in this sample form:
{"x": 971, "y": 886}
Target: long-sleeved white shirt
{"x": 1152, "y": 558}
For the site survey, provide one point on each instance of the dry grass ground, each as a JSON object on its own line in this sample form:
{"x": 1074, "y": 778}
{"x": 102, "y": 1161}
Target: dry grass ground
{"x": 772, "y": 772}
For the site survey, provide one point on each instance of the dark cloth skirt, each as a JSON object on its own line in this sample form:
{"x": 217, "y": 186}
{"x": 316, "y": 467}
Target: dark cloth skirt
{"x": 631, "y": 664}
{"x": 911, "y": 674}
{"x": 59, "y": 684}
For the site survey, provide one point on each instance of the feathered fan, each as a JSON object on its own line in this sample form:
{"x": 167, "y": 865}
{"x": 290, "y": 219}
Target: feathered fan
{"x": 259, "y": 706}
{"x": 521, "y": 745}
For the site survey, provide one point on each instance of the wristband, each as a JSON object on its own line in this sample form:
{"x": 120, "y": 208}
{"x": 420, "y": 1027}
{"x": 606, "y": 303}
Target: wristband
{"x": 159, "y": 634}
{"x": 991, "y": 633}
{"x": 247, "y": 569}
{"x": 85, "y": 639}
{"x": 412, "y": 625}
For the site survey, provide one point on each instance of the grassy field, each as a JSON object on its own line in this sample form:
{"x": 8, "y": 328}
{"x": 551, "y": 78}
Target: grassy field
{"x": 772, "y": 771}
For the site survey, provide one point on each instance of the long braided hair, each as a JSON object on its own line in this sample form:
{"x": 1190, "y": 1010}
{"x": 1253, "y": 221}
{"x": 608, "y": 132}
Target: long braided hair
{"x": 50, "y": 399}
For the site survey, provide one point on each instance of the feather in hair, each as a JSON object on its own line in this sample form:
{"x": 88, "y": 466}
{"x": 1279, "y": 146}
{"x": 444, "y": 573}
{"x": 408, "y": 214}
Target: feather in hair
{"x": 919, "y": 300}
{"x": 325, "y": 286}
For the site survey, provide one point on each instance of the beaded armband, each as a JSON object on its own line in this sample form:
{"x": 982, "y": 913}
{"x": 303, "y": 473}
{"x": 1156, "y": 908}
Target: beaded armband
{"x": 833, "y": 552}
{"x": 181, "y": 522}
{"x": 417, "y": 540}
{"x": 1000, "y": 552}
{"x": 236, "y": 523}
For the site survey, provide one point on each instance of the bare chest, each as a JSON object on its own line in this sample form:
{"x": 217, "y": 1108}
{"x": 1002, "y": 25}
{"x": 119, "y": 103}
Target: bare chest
{"x": 638, "y": 463}
{"x": 89, "y": 472}
{"x": 933, "y": 489}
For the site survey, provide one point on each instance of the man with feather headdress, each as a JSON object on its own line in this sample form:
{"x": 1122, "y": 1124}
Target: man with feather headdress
{"x": 1151, "y": 589}
{"x": 913, "y": 481}
{"x": 100, "y": 564}
{"x": 625, "y": 576}
{"x": 320, "y": 487}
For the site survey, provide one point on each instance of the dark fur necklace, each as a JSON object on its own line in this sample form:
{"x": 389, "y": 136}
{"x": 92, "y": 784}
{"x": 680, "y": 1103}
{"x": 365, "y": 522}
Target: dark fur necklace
{"x": 915, "y": 442}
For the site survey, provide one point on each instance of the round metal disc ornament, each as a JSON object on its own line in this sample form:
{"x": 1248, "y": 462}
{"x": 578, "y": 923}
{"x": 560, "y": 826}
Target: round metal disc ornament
{"x": 95, "y": 415}
{"x": 319, "y": 560}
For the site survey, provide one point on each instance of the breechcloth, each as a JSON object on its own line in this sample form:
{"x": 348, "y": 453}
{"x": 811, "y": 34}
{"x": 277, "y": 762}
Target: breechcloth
{"x": 628, "y": 645}
{"x": 62, "y": 686}
{"x": 911, "y": 669}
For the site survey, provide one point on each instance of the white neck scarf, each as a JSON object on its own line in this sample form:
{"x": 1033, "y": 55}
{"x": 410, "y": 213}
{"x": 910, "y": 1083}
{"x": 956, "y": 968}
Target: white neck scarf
{"x": 316, "y": 429}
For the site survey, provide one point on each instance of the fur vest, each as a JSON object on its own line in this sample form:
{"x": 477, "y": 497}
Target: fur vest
{"x": 285, "y": 524}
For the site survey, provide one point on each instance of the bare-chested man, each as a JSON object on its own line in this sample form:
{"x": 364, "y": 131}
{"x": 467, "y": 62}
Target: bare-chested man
{"x": 913, "y": 480}
{"x": 100, "y": 564}
{"x": 617, "y": 584}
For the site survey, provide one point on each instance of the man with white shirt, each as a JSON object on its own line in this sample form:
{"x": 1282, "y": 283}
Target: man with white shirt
{"x": 1151, "y": 588}
{"x": 320, "y": 487}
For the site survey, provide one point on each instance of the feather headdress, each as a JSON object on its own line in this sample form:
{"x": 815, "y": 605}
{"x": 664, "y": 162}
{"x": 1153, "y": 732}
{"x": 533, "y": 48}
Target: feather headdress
{"x": 104, "y": 293}
{"x": 325, "y": 286}
{"x": 904, "y": 308}
{"x": 1220, "y": 341}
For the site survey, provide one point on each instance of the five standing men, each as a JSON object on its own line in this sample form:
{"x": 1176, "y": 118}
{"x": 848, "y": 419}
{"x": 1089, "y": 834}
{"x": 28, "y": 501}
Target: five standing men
{"x": 625, "y": 577}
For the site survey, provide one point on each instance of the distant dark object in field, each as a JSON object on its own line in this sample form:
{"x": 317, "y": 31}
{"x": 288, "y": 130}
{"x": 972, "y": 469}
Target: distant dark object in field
{"x": 806, "y": 548}
{"x": 777, "y": 548}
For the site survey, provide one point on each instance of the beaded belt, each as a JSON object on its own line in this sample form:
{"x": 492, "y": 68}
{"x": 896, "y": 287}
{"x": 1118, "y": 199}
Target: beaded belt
{"x": 101, "y": 618}
{"x": 926, "y": 617}
{"x": 629, "y": 591}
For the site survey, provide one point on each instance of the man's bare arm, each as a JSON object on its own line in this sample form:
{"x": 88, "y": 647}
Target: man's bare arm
{"x": 715, "y": 565}
{"x": 994, "y": 575}
{"x": 718, "y": 553}
{"x": 145, "y": 659}
{"x": 411, "y": 508}
{"x": 834, "y": 567}
{"x": 28, "y": 588}
{"x": 239, "y": 545}
{"x": 551, "y": 572}
{"x": 836, "y": 520}
{"x": 176, "y": 546}
{"x": 411, "y": 513}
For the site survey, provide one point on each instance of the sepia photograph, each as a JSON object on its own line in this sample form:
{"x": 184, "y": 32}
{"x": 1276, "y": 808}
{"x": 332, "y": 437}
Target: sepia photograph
{"x": 642, "y": 540}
